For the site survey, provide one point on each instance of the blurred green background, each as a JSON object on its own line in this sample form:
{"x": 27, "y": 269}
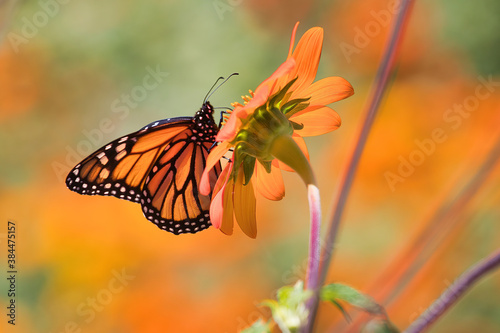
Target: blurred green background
{"x": 94, "y": 264}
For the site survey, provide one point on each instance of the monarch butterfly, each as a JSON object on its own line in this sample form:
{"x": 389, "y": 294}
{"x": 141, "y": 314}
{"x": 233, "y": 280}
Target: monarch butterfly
{"x": 160, "y": 167}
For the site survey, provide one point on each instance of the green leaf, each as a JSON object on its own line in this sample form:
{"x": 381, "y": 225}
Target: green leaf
{"x": 336, "y": 291}
{"x": 258, "y": 327}
{"x": 379, "y": 326}
{"x": 344, "y": 312}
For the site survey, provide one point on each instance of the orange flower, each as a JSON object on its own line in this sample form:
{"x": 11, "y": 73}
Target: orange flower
{"x": 265, "y": 134}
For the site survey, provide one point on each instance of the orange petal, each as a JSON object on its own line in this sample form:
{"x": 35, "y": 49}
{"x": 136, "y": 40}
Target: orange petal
{"x": 233, "y": 123}
{"x": 328, "y": 90}
{"x": 228, "y": 208}
{"x": 223, "y": 178}
{"x": 307, "y": 55}
{"x": 292, "y": 40}
{"x": 273, "y": 82}
{"x": 283, "y": 166}
{"x": 270, "y": 185}
{"x": 216, "y": 209}
{"x": 260, "y": 97}
{"x": 317, "y": 121}
{"x": 245, "y": 206}
{"x": 215, "y": 155}
{"x": 228, "y": 131}
{"x": 302, "y": 145}
{"x": 217, "y": 204}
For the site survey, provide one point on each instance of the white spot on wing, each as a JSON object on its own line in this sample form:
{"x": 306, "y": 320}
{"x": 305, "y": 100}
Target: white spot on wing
{"x": 104, "y": 160}
{"x": 119, "y": 148}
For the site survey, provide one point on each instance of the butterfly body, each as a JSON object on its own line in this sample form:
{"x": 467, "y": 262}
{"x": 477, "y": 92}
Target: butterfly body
{"x": 160, "y": 167}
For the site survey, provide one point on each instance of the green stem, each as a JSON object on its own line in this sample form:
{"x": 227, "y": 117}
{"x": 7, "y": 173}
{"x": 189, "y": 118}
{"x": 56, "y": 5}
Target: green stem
{"x": 285, "y": 149}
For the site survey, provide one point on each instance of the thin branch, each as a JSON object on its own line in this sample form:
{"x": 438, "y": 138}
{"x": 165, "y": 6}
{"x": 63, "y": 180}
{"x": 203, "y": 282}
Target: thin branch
{"x": 394, "y": 278}
{"x": 381, "y": 81}
{"x": 451, "y": 295}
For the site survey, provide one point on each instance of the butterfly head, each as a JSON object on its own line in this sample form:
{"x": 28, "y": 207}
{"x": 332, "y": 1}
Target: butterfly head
{"x": 206, "y": 112}
{"x": 204, "y": 123}
{"x": 207, "y": 108}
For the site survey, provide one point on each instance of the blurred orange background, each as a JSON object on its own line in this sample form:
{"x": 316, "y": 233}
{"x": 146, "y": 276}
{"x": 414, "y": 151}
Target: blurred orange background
{"x": 95, "y": 264}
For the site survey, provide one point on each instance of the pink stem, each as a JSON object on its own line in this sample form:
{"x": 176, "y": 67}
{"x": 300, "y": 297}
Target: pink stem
{"x": 312, "y": 275}
{"x": 314, "y": 248}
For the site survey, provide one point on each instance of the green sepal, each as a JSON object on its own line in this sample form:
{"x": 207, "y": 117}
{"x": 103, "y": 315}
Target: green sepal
{"x": 280, "y": 94}
{"x": 248, "y": 167}
{"x": 267, "y": 165}
{"x": 296, "y": 126}
{"x": 294, "y": 106}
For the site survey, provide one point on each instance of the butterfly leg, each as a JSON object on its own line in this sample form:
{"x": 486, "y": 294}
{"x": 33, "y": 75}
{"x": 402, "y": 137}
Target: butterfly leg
{"x": 222, "y": 113}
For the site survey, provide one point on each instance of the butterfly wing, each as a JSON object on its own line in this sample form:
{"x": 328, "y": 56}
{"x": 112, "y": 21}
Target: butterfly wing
{"x": 120, "y": 168}
{"x": 170, "y": 197}
{"x": 159, "y": 166}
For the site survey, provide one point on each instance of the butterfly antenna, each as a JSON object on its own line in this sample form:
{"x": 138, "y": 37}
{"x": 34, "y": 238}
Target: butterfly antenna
{"x": 208, "y": 93}
{"x": 212, "y": 90}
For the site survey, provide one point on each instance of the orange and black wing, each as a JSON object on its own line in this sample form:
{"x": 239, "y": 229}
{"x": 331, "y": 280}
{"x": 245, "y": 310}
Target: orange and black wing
{"x": 170, "y": 197}
{"x": 121, "y": 167}
{"x": 160, "y": 166}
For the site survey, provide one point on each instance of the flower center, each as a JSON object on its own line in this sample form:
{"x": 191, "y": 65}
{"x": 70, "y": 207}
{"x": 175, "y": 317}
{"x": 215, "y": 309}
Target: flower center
{"x": 260, "y": 129}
